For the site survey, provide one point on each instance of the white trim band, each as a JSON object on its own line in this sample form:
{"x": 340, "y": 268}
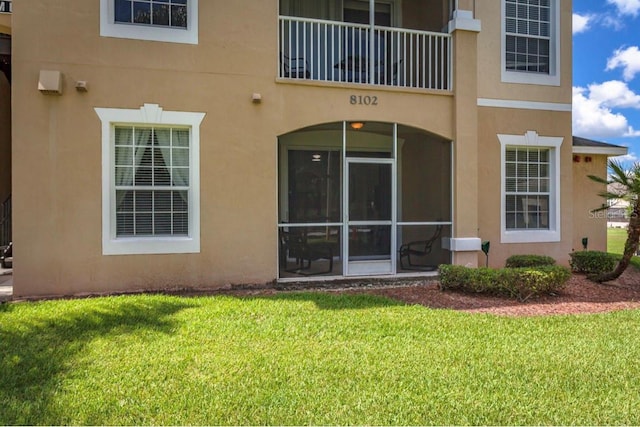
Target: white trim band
{"x": 524, "y": 105}
{"x": 464, "y": 20}
{"x": 462, "y": 244}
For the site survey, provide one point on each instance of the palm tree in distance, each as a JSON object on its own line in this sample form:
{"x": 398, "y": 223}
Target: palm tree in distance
{"x": 626, "y": 187}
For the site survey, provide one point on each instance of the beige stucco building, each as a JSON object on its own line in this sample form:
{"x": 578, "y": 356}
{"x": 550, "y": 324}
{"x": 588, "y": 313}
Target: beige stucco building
{"x": 202, "y": 143}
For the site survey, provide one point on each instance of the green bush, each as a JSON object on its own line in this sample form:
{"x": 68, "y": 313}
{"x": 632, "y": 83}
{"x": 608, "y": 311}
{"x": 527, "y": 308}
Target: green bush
{"x": 592, "y": 262}
{"x": 517, "y": 261}
{"x": 520, "y": 283}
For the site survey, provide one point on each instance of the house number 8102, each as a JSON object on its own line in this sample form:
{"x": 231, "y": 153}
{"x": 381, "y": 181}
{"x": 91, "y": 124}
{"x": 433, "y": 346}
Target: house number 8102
{"x": 363, "y": 100}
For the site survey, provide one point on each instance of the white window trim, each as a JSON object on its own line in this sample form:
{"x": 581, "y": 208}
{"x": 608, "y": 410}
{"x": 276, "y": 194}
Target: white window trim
{"x": 148, "y": 114}
{"x": 532, "y": 139}
{"x": 110, "y": 28}
{"x": 523, "y": 77}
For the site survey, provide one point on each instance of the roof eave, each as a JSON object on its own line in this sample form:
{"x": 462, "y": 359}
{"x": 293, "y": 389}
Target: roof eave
{"x": 606, "y": 151}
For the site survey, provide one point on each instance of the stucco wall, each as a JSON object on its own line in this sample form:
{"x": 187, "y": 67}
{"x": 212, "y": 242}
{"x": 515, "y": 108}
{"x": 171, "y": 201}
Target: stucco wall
{"x": 5, "y": 23}
{"x": 57, "y": 151}
{"x": 493, "y": 121}
{"x": 57, "y": 140}
{"x": 592, "y": 225}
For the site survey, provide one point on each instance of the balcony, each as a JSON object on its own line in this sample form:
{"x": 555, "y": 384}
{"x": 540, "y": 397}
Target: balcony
{"x": 332, "y": 51}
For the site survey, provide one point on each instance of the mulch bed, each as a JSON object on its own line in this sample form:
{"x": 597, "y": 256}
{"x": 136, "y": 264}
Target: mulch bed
{"x": 580, "y": 296}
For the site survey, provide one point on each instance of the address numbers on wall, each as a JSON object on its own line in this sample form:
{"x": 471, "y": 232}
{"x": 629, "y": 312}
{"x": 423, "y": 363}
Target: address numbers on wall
{"x": 363, "y": 100}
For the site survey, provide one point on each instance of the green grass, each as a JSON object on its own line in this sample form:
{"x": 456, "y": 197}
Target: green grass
{"x": 310, "y": 358}
{"x": 615, "y": 243}
{"x": 615, "y": 240}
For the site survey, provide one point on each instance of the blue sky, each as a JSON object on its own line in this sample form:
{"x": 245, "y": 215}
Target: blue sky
{"x": 606, "y": 72}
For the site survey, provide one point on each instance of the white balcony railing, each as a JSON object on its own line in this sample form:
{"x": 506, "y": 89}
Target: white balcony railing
{"x": 313, "y": 49}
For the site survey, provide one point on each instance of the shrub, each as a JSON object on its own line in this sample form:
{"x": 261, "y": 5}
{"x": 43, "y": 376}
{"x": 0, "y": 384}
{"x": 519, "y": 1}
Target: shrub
{"x": 516, "y": 261}
{"x": 592, "y": 262}
{"x": 520, "y": 283}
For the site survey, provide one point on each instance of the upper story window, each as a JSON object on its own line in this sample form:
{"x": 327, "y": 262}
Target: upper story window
{"x": 530, "y": 35}
{"x": 167, "y": 13}
{"x": 174, "y": 21}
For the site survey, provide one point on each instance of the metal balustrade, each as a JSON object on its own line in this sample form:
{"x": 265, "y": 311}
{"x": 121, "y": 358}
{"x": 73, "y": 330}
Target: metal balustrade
{"x": 313, "y": 49}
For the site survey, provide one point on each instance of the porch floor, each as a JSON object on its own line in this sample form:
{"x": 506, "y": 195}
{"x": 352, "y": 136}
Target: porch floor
{"x": 320, "y": 268}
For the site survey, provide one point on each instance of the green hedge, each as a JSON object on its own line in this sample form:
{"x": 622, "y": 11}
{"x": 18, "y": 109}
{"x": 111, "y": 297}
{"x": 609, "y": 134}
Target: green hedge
{"x": 517, "y": 261}
{"x": 520, "y": 283}
{"x": 592, "y": 262}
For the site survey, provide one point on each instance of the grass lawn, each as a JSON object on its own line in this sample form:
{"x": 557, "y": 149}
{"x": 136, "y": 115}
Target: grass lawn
{"x": 615, "y": 243}
{"x": 310, "y": 358}
{"x": 615, "y": 240}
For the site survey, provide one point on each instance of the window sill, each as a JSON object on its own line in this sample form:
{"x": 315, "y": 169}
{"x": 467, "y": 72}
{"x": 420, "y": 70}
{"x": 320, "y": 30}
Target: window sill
{"x": 533, "y": 236}
{"x": 522, "y": 77}
{"x": 151, "y": 245}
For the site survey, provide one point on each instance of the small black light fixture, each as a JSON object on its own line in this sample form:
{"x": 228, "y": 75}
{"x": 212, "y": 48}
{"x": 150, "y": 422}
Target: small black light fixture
{"x": 485, "y": 248}
{"x": 585, "y": 243}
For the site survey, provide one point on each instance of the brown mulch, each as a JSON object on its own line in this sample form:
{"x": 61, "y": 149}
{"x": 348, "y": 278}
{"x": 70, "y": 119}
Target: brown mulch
{"x": 579, "y": 296}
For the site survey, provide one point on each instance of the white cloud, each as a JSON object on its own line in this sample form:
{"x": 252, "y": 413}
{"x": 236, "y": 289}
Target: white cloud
{"x": 630, "y": 158}
{"x": 626, "y": 7}
{"x": 626, "y": 58}
{"x": 593, "y": 118}
{"x": 614, "y": 94}
{"x": 613, "y": 22}
{"x": 581, "y": 23}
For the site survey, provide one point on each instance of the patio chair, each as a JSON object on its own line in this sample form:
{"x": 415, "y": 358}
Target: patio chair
{"x": 295, "y": 244}
{"x": 295, "y": 68}
{"x": 417, "y": 249}
{"x": 393, "y": 78}
{"x": 6, "y": 256}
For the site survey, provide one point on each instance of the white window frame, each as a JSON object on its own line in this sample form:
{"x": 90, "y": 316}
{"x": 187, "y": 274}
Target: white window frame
{"x": 148, "y": 114}
{"x": 525, "y": 77}
{"x": 531, "y": 139}
{"x": 110, "y": 28}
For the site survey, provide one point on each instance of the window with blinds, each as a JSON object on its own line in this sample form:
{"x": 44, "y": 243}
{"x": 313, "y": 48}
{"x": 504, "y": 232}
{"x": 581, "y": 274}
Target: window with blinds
{"x": 152, "y": 181}
{"x": 528, "y": 35}
{"x": 166, "y": 13}
{"x": 527, "y": 188}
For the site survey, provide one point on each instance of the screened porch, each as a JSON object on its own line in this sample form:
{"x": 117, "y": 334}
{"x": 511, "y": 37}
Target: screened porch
{"x": 363, "y": 199}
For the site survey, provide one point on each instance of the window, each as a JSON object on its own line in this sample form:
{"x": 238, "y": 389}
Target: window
{"x": 167, "y": 13}
{"x": 151, "y": 181}
{"x": 150, "y": 175}
{"x": 530, "y": 42}
{"x": 527, "y": 188}
{"x": 530, "y": 206}
{"x": 158, "y": 20}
